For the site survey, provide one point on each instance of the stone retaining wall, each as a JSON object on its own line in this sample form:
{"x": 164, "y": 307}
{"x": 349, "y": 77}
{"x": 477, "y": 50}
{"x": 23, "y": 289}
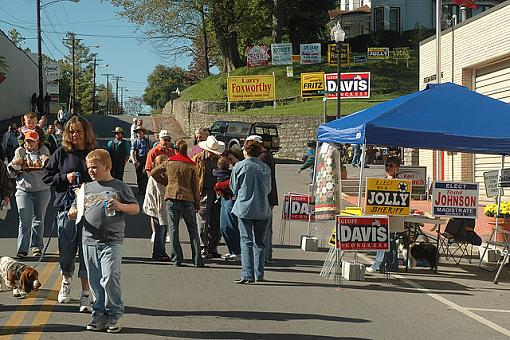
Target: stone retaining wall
{"x": 294, "y": 130}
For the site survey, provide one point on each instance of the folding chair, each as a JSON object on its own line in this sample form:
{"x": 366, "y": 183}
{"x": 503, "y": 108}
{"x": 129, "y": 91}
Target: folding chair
{"x": 454, "y": 241}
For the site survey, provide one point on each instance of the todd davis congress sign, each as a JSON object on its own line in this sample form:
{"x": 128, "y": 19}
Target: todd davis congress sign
{"x": 388, "y": 196}
{"x": 312, "y": 85}
{"x": 352, "y": 85}
{"x": 455, "y": 199}
{"x": 249, "y": 88}
{"x": 295, "y": 207}
{"x": 362, "y": 233}
{"x": 281, "y": 54}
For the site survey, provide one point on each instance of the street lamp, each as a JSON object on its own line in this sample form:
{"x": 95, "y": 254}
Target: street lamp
{"x": 338, "y": 35}
{"x": 39, "y": 49}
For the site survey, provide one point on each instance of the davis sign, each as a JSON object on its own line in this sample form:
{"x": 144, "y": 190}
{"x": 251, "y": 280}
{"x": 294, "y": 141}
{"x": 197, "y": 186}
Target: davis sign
{"x": 352, "y": 85}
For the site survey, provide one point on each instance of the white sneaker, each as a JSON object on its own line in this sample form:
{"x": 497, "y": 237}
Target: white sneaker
{"x": 64, "y": 295}
{"x": 98, "y": 323}
{"x": 114, "y": 326}
{"x": 152, "y": 237}
{"x": 167, "y": 240}
{"x": 225, "y": 256}
{"x": 233, "y": 257}
{"x": 370, "y": 270}
{"x": 85, "y": 303}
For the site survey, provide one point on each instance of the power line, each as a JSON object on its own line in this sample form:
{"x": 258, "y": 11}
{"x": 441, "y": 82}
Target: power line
{"x": 68, "y": 20}
{"x": 12, "y": 16}
{"x": 51, "y": 42}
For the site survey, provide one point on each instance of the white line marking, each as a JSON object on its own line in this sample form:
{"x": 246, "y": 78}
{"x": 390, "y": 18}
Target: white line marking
{"x": 490, "y": 310}
{"x": 449, "y": 303}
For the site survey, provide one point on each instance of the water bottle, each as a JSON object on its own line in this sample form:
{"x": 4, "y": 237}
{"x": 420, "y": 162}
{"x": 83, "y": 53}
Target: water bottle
{"x": 108, "y": 211}
{"x": 77, "y": 180}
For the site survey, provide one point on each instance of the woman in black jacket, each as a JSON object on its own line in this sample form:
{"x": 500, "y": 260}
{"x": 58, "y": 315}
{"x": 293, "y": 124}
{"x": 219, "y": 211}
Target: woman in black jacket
{"x": 65, "y": 171}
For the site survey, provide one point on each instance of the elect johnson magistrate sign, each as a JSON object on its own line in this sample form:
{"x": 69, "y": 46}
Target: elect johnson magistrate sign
{"x": 455, "y": 199}
{"x": 250, "y": 88}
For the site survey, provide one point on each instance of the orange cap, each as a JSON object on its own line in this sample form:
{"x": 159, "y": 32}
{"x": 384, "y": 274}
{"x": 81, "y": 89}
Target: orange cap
{"x": 32, "y": 135}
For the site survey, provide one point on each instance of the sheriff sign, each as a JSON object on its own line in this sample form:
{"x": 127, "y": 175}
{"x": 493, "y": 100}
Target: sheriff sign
{"x": 388, "y": 196}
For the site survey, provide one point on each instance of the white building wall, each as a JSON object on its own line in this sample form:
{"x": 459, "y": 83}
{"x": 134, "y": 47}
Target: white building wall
{"x": 467, "y": 51}
{"x": 21, "y": 82}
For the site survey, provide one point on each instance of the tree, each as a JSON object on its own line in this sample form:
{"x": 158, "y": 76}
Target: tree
{"x": 162, "y": 82}
{"x": 171, "y": 25}
{"x": 134, "y": 105}
{"x": 16, "y": 38}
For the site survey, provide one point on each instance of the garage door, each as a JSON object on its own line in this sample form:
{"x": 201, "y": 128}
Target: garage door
{"x": 493, "y": 81}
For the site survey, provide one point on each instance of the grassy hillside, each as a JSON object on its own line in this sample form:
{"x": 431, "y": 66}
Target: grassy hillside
{"x": 386, "y": 78}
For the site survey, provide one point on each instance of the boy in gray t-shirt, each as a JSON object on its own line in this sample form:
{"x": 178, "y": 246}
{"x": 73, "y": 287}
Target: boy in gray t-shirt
{"x": 103, "y": 236}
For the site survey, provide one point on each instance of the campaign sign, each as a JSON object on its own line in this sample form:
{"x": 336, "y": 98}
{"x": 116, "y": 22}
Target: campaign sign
{"x": 333, "y": 55}
{"x": 417, "y": 175}
{"x": 310, "y": 53}
{"x": 249, "y": 88}
{"x": 360, "y": 59}
{"x": 504, "y": 178}
{"x": 362, "y": 233}
{"x": 388, "y": 196}
{"x": 281, "y": 54}
{"x": 490, "y": 179}
{"x": 455, "y": 199}
{"x": 352, "y": 85}
{"x": 378, "y": 53}
{"x": 257, "y": 56}
{"x": 295, "y": 207}
{"x": 312, "y": 85}
{"x": 401, "y": 53}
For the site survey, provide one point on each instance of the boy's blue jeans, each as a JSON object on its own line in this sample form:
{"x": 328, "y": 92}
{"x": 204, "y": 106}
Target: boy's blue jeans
{"x": 103, "y": 261}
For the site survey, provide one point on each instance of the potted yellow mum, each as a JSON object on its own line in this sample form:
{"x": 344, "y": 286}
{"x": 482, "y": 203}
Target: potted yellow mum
{"x": 490, "y": 210}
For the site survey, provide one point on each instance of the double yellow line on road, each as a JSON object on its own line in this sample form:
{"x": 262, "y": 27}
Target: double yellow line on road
{"x": 42, "y": 316}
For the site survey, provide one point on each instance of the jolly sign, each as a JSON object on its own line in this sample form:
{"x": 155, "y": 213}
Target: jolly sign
{"x": 388, "y": 196}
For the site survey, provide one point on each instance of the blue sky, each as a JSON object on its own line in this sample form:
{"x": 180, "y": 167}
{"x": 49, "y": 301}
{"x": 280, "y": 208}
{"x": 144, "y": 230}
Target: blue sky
{"x": 121, "y": 45}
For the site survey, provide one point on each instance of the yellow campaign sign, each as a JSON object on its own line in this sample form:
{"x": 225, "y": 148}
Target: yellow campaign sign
{"x": 251, "y": 88}
{"x": 312, "y": 84}
{"x": 378, "y": 53}
{"x": 401, "y": 53}
{"x": 333, "y": 55}
{"x": 388, "y": 196}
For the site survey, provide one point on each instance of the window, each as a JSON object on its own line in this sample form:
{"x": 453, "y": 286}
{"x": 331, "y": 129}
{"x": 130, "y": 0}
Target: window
{"x": 395, "y": 19}
{"x": 219, "y": 127}
{"x": 379, "y": 19}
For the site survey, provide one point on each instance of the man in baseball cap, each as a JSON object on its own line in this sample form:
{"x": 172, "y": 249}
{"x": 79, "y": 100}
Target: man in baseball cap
{"x": 162, "y": 148}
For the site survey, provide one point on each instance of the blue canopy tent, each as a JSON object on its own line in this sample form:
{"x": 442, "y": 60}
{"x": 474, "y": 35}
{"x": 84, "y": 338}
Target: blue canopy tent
{"x": 441, "y": 117}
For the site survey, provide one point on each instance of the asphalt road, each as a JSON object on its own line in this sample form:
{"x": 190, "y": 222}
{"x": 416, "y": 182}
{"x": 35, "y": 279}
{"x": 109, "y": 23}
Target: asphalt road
{"x": 460, "y": 302}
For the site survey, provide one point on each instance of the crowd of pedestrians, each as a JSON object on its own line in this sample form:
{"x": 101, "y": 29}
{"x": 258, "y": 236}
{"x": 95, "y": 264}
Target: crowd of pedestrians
{"x": 218, "y": 192}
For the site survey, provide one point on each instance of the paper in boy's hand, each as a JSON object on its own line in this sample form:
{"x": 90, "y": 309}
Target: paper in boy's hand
{"x": 4, "y": 208}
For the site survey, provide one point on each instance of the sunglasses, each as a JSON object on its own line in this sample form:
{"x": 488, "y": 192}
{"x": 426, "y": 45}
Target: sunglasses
{"x": 390, "y": 166}
{"x": 167, "y": 139}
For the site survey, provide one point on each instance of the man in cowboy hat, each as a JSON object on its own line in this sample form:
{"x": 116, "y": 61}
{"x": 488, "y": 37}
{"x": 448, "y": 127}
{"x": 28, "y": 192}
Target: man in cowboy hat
{"x": 162, "y": 148}
{"x": 209, "y": 213}
{"x": 139, "y": 151}
{"x": 119, "y": 150}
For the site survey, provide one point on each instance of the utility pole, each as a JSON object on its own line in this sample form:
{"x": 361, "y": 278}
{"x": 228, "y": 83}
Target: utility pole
{"x": 94, "y": 88}
{"x": 117, "y": 78}
{"x": 39, "y": 56}
{"x": 122, "y": 89}
{"x": 73, "y": 56}
{"x": 107, "y": 89}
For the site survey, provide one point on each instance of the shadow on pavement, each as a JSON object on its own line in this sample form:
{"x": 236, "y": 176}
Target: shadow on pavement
{"x": 244, "y": 315}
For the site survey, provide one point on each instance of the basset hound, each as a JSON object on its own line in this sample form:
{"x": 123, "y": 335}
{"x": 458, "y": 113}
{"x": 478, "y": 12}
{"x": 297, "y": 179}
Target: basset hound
{"x": 22, "y": 279}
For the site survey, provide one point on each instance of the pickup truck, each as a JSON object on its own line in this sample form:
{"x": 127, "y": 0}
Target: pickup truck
{"x": 234, "y": 133}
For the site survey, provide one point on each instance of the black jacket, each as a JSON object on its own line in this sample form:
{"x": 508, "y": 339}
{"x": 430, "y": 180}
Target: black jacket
{"x": 60, "y": 164}
{"x": 267, "y": 158}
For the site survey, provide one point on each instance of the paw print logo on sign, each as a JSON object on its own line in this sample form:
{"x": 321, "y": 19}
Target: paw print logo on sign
{"x": 402, "y": 187}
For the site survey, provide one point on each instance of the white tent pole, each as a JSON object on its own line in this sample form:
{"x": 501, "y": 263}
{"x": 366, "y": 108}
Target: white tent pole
{"x": 499, "y": 196}
{"x": 311, "y": 191}
{"x": 361, "y": 166}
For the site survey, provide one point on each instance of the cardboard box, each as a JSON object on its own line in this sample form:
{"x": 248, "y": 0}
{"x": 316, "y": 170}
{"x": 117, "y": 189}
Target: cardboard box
{"x": 353, "y": 271}
{"x": 491, "y": 255}
{"x": 309, "y": 243}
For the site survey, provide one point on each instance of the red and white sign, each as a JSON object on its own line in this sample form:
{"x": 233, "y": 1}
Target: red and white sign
{"x": 257, "y": 55}
{"x": 362, "y": 233}
{"x": 352, "y": 85}
{"x": 455, "y": 199}
{"x": 295, "y": 207}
